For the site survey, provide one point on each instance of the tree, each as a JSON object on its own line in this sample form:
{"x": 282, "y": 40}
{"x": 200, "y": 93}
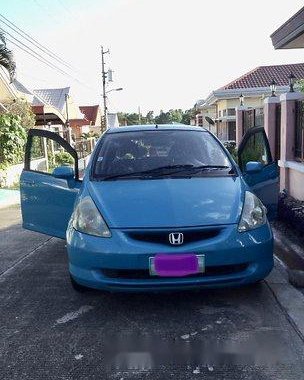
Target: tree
{"x": 162, "y": 118}
{"x": 170, "y": 117}
{"x": 150, "y": 117}
{"x": 6, "y": 58}
{"x": 128, "y": 118}
{"x": 176, "y": 116}
{"x": 20, "y": 107}
{"x": 188, "y": 115}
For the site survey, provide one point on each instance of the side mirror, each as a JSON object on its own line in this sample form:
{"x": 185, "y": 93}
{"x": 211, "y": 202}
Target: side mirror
{"x": 253, "y": 167}
{"x": 64, "y": 172}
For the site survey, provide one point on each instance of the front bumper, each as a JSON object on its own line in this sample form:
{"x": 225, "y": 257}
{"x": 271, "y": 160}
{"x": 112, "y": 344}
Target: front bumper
{"x": 120, "y": 263}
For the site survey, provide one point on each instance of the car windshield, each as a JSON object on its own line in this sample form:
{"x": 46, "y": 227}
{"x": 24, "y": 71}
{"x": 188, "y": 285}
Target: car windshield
{"x": 159, "y": 153}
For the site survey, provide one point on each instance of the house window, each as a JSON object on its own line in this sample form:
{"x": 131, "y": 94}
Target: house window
{"x": 200, "y": 121}
{"x": 231, "y": 111}
{"x": 219, "y": 113}
{"x": 299, "y": 131}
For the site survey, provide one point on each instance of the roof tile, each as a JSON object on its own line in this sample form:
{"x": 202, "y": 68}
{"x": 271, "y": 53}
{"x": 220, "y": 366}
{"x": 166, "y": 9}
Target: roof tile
{"x": 263, "y": 75}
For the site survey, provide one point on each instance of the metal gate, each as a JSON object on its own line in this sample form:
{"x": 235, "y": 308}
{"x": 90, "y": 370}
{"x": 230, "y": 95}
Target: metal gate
{"x": 253, "y": 118}
{"x": 248, "y": 120}
{"x": 299, "y": 131}
{"x": 277, "y": 152}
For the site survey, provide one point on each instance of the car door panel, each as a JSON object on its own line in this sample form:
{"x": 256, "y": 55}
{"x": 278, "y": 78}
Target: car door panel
{"x": 265, "y": 183}
{"x": 46, "y": 201}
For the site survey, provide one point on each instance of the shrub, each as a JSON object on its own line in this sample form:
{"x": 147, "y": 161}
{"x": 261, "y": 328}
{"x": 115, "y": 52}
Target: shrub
{"x": 231, "y": 147}
{"x": 63, "y": 158}
{"x": 12, "y": 140}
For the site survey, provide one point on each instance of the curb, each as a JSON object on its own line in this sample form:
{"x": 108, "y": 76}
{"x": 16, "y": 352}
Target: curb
{"x": 290, "y": 300}
{"x": 11, "y": 198}
{"x": 291, "y": 255}
{"x": 9, "y": 204}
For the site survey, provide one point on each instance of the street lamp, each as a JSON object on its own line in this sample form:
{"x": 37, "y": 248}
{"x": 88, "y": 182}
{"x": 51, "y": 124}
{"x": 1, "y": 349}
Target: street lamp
{"x": 273, "y": 87}
{"x": 115, "y": 89}
{"x": 241, "y": 97}
{"x": 291, "y": 81}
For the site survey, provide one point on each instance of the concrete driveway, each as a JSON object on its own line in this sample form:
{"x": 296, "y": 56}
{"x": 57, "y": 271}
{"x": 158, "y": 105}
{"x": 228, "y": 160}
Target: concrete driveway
{"x": 48, "y": 331}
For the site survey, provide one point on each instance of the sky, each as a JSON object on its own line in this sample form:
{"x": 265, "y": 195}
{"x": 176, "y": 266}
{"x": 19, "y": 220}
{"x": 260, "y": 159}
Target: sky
{"x": 164, "y": 53}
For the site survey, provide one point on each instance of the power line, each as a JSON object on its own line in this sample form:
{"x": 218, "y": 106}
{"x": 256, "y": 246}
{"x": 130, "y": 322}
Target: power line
{"x": 36, "y": 57}
{"x": 33, "y": 41}
{"x": 41, "y": 58}
{"x": 49, "y": 64}
{"x": 27, "y": 49}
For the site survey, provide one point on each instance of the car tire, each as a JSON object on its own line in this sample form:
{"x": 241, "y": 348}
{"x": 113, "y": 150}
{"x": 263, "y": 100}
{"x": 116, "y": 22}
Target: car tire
{"x": 255, "y": 285}
{"x": 79, "y": 288}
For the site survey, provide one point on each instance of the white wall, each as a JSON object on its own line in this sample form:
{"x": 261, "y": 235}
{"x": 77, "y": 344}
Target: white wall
{"x": 11, "y": 175}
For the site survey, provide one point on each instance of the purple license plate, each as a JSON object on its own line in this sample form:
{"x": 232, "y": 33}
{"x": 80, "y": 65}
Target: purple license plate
{"x": 176, "y": 265}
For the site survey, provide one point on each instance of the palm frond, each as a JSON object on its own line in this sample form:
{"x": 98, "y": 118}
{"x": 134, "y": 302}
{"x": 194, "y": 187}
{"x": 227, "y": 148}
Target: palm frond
{"x": 7, "y": 58}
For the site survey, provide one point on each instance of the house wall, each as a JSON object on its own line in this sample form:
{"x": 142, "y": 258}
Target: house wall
{"x": 254, "y": 102}
{"x": 296, "y": 180}
{"x": 216, "y": 112}
{"x": 200, "y": 117}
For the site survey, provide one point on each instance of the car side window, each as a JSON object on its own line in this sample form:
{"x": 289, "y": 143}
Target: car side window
{"x": 47, "y": 154}
{"x": 255, "y": 149}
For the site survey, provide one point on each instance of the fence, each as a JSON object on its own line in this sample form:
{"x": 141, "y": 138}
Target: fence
{"x": 84, "y": 147}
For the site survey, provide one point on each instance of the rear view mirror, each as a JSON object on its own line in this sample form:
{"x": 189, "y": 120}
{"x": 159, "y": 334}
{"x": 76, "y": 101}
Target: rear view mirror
{"x": 253, "y": 167}
{"x": 64, "y": 172}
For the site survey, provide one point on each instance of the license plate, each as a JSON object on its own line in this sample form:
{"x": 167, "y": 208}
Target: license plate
{"x": 176, "y": 265}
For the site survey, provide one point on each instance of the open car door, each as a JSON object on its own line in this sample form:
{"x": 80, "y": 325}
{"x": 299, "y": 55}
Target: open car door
{"x": 264, "y": 181}
{"x": 49, "y": 183}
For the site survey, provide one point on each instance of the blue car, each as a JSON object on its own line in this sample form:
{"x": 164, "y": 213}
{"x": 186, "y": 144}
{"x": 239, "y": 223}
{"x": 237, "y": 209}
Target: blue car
{"x": 159, "y": 207}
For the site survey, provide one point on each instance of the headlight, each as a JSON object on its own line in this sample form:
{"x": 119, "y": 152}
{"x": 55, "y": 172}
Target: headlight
{"x": 87, "y": 219}
{"x": 253, "y": 214}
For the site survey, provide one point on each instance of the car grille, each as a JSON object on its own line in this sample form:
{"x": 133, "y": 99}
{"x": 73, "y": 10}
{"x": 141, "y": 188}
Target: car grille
{"x": 162, "y": 237}
{"x": 136, "y": 274}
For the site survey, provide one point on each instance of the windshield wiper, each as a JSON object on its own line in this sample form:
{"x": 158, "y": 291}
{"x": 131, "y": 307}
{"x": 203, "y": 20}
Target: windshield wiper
{"x": 159, "y": 170}
{"x": 144, "y": 172}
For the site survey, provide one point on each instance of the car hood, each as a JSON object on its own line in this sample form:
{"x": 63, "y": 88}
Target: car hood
{"x": 168, "y": 202}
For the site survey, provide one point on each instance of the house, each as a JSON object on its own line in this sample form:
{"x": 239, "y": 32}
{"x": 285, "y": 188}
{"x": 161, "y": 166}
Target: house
{"x": 62, "y": 101}
{"x": 92, "y": 117}
{"x": 8, "y": 91}
{"x": 290, "y": 35}
{"x": 254, "y": 87}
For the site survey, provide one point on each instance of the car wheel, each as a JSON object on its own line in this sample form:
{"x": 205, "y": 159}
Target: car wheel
{"x": 255, "y": 285}
{"x": 79, "y": 288}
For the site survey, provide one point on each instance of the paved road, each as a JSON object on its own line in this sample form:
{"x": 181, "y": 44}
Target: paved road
{"x": 47, "y": 331}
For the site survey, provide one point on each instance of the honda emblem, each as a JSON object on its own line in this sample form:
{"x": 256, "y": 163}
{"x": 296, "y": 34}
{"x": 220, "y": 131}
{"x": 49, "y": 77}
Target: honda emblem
{"x": 176, "y": 238}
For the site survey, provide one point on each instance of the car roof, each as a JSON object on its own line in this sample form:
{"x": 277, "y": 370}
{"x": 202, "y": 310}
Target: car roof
{"x": 152, "y": 127}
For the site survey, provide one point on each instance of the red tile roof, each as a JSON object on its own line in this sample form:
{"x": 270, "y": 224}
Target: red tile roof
{"x": 90, "y": 113}
{"x": 263, "y": 75}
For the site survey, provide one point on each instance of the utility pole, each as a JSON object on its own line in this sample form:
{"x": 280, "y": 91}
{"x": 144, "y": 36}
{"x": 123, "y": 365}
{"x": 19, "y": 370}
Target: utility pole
{"x": 139, "y": 115}
{"x": 106, "y": 76}
{"x": 104, "y": 95}
{"x": 68, "y": 129}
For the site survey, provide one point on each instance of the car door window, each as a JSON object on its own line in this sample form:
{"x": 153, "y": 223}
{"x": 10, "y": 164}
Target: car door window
{"x": 47, "y": 154}
{"x": 255, "y": 148}
{"x": 47, "y": 150}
